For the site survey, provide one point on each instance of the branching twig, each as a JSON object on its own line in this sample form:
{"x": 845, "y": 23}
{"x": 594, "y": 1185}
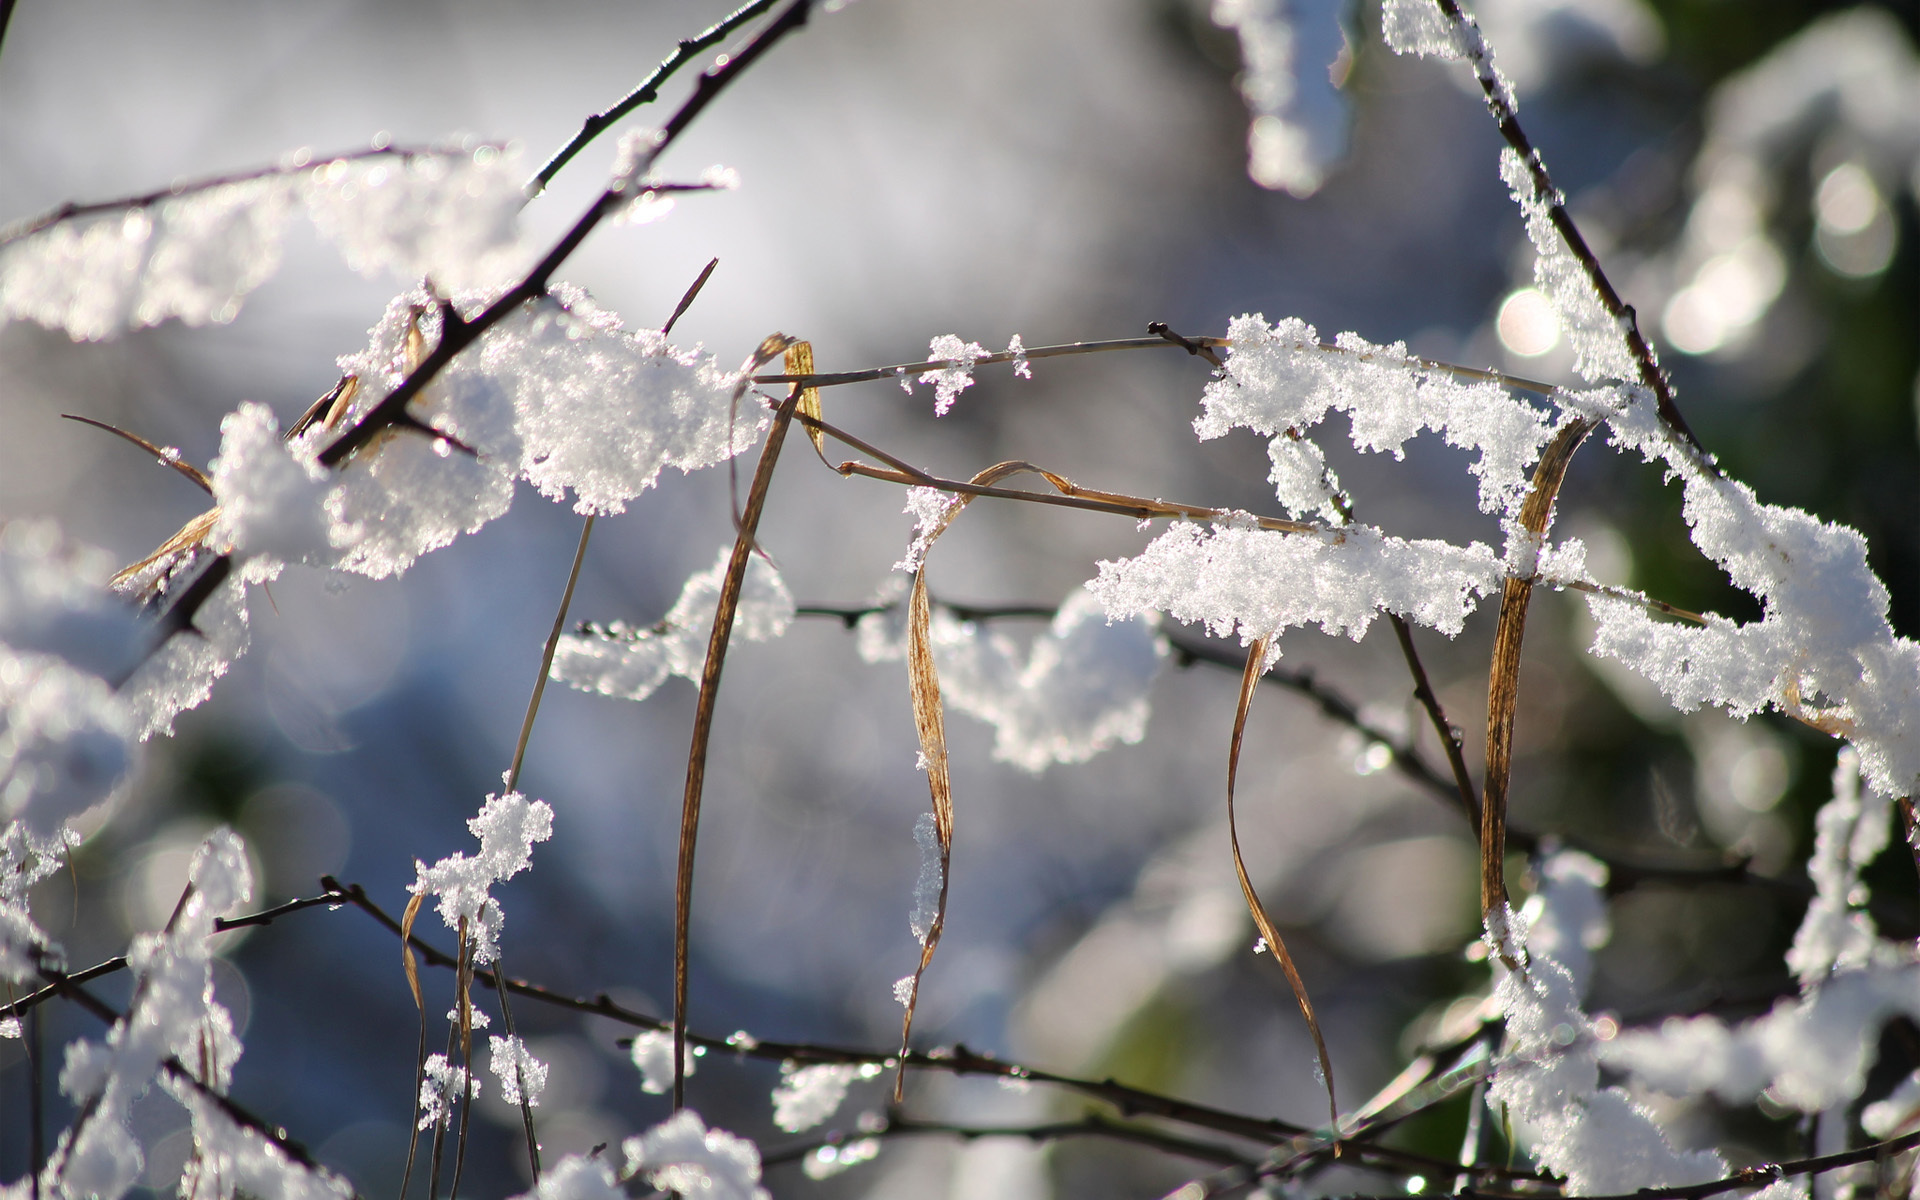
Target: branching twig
{"x": 1089, "y": 1126}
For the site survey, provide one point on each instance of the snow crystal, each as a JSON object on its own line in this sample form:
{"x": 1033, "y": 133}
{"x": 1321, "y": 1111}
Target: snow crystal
{"x": 1280, "y": 381}
{"x": 24, "y": 861}
{"x": 271, "y": 497}
{"x": 1257, "y": 583}
{"x": 1298, "y": 124}
{"x": 652, "y": 1054}
{"x": 445, "y": 1084}
{"x": 809, "y": 1095}
{"x": 65, "y": 746}
{"x": 682, "y": 1155}
{"x": 619, "y": 660}
{"x": 521, "y": 1075}
{"x": 927, "y": 886}
{"x": 197, "y": 255}
{"x": 903, "y": 990}
{"x": 1419, "y": 27}
{"x": 1566, "y": 918}
{"x": 601, "y": 411}
{"x": 451, "y": 218}
{"x": 948, "y": 382}
{"x": 1597, "y": 337}
{"x": 507, "y": 827}
{"x": 931, "y": 510}
{"x": 53, "y": 601}
{"x": 1021, "y": 366}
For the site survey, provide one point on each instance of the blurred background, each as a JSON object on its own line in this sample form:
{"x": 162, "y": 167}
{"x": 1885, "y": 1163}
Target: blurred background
{"x": 1061, "y": 171}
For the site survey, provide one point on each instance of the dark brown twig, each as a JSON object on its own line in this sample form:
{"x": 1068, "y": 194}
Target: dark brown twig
{"x": 1089, "y": 1126}
{"x": 165, "y": 458}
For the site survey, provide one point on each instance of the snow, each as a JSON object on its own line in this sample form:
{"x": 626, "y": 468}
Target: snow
{"x": 444, "y": 1085}
{"x": 931, "y": 880}
{"x": 809, "y": 1095}
{"x": 1850, "y": 832}
{"x": 522, "y": 1076}
{"x": 577, "y": 1178}
{"x": 1419, "y": 27}
{"x": 1022, "y": 367}
{"x": 1257, "y": 583}
{"x": 949, "y": 381}
{"x": 828, "y": 1161}
{"x": 271, "y": 497}
{"x": 652, "y": 1054}
{"x": 1081, "y": 688}
{"x": 1597, "y": 338}
{"x": 1298, "y": 118}
{"x": 931, "y": 510}
{"x": 448, "y": 215}
{"x": 507, "y": 827}
{"x": 182, "y": 672}
{"x": 53, "y": 601}
{"x": 682, "y": 1155}
{"x": 620, "y": 660}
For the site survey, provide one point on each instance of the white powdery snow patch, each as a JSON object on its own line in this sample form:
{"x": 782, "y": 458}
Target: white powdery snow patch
{"x": 53, "y": 601}
{"x": 272, "y": 497}
{"x": 682, "y": 1155}
{"x": 652, "y": 1054}
{"x": 931, "y": 510}
{"x": 809, "y": 1095}
{"x": 619, "y": 660}
{"x": 507, "y": 826}
{"x": 948, "y": 382}
{"x": 181, "y": 673}
{"x": 577, "y": 1178}
{"x": 1257, "y": 583}
{"x": 1547, "y": 1078}
{"x": 932, "y": 878}
{"x": 1081, "y": 688}
{"x": 522, "y": 1076}
{"x": 1298, "y": 121}
{"x": 65, "y": 745}
{"x": 1823, "y": 648}
{"x": 1597, "y": 337}
{"x": 25, "y": 861}
{"x": 1279, "y": 379}
{"x": 1851, "y": 831}
{"x": 602, "y": 411}
{"x": 442, "y": 1085}
{"x": 1419, "y": 27}
{"x": 195, "y": 256}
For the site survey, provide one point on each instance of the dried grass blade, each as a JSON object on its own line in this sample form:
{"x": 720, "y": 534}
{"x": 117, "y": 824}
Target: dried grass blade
{"x": 800, "y": 362}
{"x": 406, "y": 949}
{"x": 1503, "y": 680}
{"x": 163, "y": 457}
{"x": 923, "y": 677}
{"x": 1256, "y": 661}
{"x": 703, "y": 719}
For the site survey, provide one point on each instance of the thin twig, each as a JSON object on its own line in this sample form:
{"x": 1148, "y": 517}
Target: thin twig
{"x": 1449, "y": 736}
{"x": 546, "y": 656}
{"x": 646, "y": 93}
{"x": 166, "y": 458}
{"x": 1089, "y": 1126}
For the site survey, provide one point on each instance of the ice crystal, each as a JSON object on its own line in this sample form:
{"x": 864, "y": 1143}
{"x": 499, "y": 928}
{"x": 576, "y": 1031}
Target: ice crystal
{"x": 522, "y": 1076}
{"x": 652, "y": 1054}
{"x": 809, "y": 1095}
{"x": 682, "y": 1155}
{"x": 949, "y": 381}
{"x": 507, "y": 826}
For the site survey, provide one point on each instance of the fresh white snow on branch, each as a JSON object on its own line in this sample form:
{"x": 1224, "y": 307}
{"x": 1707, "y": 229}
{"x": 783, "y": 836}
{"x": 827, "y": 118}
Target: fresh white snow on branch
{"x": 522, "y": 1076}
{"x": 507, "y": 826}
{"x": 620, "y": 660}
{"x": 272, "y": 498}
{"x": 652, "y": 1054}
{"x": 1081, "y": 687}
{"x": 809, "y": 1095}
{"x": 682, "y": 1155}
{"x": 1597, "y": 337}
{"x": 949, "y": 381}
{"x": 195, "y": 255}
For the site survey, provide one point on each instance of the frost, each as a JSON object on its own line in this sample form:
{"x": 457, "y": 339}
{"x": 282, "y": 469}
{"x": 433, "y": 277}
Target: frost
{"x": 65, "y": 745}
{"x": 601, "y": 411}
{"x": 1419, "y": 27}
{"x": 1597, "y": 337}
{"x": 809, "y": 1095}
{"x": 652, "y": 1054}
{"x": 1279, "y": 381}
{"x": 197, "y": 254}
{"x": 948, "y": 382}
{"x": 903, "y": 990}
{"x": 507, "y": 826}
{"x": 927, "y": 885}
{"x": 52, "y": 602}
{"x": 1257, "y": 583}
{"x": 619, "y": 660}
{"x": 271, "y": 498}
{"x": 444, "y": 1085}
{"x": 682, "y": 1155}
{"x": 1298, "y": 125}
{"x": 522, "y": 1076}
